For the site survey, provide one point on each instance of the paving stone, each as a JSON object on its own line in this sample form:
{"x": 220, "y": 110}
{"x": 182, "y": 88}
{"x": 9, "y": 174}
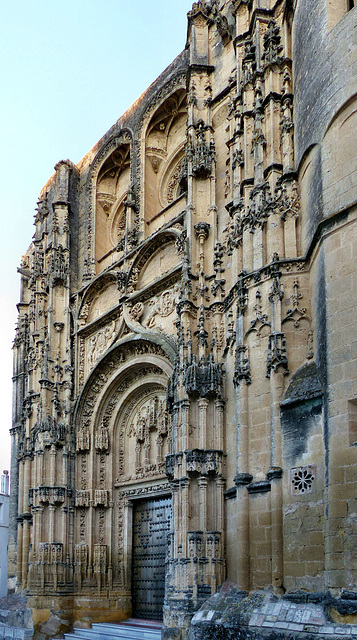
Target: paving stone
{"x": 253, "y": 620}
{"x": 260, "y": 620}
{"x": 311, "y": 628}
{"x": 306, "y": 615}
{"x": 281, "y": 625}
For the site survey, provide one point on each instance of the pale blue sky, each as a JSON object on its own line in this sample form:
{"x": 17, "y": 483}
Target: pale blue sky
{"x": 69, "y": 70}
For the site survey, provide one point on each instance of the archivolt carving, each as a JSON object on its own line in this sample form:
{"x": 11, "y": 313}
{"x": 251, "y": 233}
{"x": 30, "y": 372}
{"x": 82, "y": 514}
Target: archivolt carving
{"x": 179, "y": 81}
{"x": 112, "y": 363}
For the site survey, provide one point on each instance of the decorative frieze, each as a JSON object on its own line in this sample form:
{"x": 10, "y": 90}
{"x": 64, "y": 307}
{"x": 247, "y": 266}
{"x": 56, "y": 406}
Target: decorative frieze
{"x": 82, "y": 498}
{"x": 48, "y": 495}
{"x": 204, "y": 462}
{"x": 198, "y": 462}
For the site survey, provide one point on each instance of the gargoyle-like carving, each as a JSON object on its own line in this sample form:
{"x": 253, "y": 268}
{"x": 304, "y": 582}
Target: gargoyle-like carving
{"x": 201, "y": 154}
{"x": 219, "y": 282}
{"x": 180, "y": 243}
{"x": 58, "y": 266}
{"x": 288, "y": 200}
{"x": 122, "y": 280}
{"x": 272, "y": 46}
{"x": 277, "y": 353}
{"x": 129, "y": 240}
{"x": 213, "y": 14}
{"x": 241, "y": 366}
{"x": 248, "y": 63}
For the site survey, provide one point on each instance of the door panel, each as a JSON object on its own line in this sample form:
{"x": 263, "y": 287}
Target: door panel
{"x": 151, "y": 524}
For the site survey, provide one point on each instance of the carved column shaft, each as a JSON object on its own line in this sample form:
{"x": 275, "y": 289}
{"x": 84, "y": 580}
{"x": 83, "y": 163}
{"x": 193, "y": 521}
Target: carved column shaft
{"x": 185, "y": 412}
{"x": 51, "y": 523}
{"x": 53, "y": 456}
{"x": 21, "y": 487}
{"x": 19, "y": 552}
{"x": 202, "y": 422}
{"x": 276, "y": 391}
{"x": 258, "y": 247}
{"x": 27, "y": 484}
{"x": 290, "y": 237}
{"x": 25, "y": 551}
{"x": 274, "y": 236}
{"x": 247, "y": 250}
{"x": 202, "y": 498}
{"x": 219, "y": 426}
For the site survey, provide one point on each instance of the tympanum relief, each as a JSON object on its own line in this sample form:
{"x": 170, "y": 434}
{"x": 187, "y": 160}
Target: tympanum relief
{"x": 147, "y": 436}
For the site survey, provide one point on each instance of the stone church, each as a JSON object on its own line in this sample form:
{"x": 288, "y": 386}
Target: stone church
{"x": 185, "y": 380}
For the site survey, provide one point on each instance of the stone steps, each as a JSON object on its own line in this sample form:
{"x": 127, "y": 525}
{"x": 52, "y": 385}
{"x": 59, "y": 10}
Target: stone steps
{"x": 132, "y": 629}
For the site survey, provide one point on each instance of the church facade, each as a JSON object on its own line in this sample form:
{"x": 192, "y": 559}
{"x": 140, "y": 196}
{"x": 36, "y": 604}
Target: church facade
{"x": 185, "y": 381}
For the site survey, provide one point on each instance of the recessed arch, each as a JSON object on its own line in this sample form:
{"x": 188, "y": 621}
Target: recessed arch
{"x": 150, "y": 248}
{"x": 114, "y": 155}
{"x": 165, "y": 136}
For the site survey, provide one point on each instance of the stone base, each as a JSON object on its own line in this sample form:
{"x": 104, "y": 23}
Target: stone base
{"x": 47, "y": 617}
{"x": 236, "y": 615}
{"x": 14, "y": 611}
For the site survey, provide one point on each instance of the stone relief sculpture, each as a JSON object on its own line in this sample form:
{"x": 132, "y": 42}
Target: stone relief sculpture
{"x": 162, "y": 306}
{"x": 98, "y": 343}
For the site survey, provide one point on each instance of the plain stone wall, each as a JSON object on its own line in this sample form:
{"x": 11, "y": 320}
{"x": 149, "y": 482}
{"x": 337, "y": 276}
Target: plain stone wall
{"x": 325, "y": 70}
{"x": 325, "y": 82}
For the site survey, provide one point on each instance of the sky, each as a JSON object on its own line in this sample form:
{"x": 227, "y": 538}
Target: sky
{"x": 69, "y": 70}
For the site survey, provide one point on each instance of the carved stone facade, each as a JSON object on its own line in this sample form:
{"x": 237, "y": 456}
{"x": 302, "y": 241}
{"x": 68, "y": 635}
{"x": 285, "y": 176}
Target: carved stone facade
{"x": 187, "y": 330}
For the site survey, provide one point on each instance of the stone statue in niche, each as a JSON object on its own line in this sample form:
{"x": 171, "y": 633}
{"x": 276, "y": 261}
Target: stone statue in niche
{"x": 150, "y": 431}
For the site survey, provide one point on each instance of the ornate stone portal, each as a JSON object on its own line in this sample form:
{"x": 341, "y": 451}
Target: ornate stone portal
{"x": 186, "y": 302}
